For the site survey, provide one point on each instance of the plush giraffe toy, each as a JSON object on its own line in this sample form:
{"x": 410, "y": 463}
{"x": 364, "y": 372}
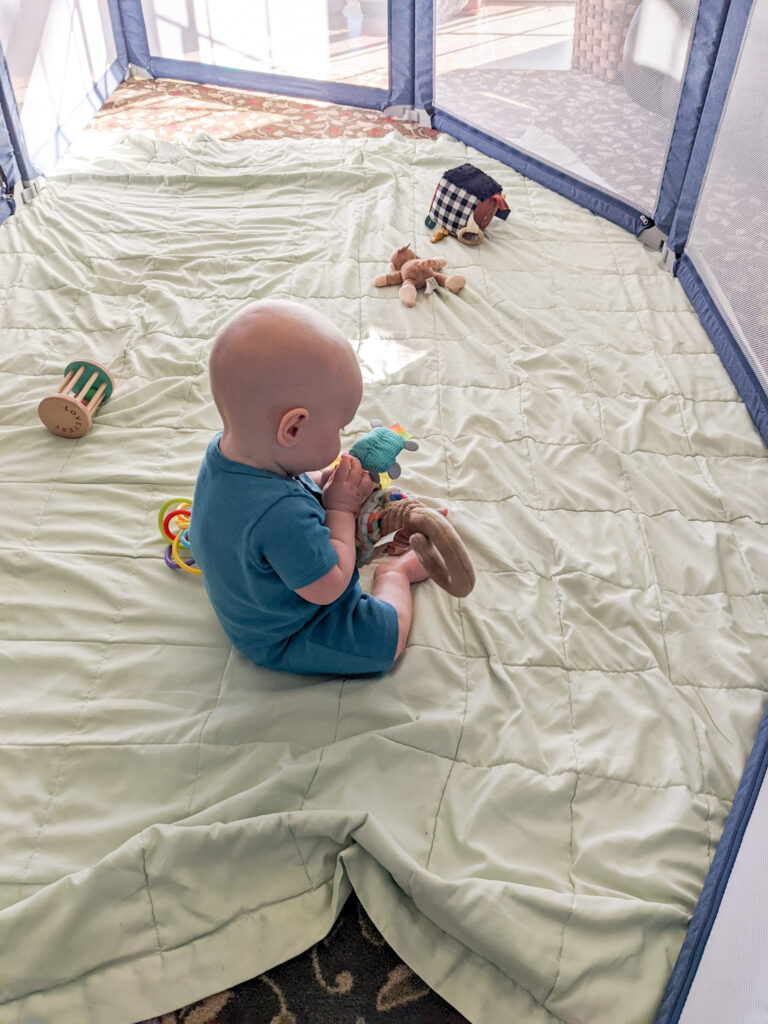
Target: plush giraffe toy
{"x": 391, "y": 513}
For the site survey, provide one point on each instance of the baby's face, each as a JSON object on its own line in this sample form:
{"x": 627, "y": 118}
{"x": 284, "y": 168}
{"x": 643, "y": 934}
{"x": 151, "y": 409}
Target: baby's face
{"x": 336, "y": 402}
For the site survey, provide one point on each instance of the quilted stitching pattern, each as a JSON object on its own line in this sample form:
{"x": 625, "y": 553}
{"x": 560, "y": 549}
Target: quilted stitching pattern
{"x": 546, "y": 773}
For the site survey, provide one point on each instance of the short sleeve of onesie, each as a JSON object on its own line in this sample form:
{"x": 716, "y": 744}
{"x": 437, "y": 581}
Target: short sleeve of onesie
{"x": 293, "y": 538}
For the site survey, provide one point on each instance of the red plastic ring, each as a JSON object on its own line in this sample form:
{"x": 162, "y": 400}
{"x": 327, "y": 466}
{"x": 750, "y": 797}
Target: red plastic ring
{"x": 170, "y": 516}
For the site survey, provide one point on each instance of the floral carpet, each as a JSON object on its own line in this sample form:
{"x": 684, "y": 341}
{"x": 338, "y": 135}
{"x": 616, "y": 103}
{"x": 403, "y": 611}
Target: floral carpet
{"x": 352, "y": 976}
{"x": 178, "y": 111}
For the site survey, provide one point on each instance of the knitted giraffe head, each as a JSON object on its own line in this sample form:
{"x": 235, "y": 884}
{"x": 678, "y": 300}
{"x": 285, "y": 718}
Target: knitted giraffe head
{"x": 378, "y": 449}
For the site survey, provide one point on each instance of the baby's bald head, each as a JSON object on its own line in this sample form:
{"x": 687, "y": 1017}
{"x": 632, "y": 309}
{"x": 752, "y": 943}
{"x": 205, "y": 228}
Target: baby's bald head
{"x": 273, "y": 358}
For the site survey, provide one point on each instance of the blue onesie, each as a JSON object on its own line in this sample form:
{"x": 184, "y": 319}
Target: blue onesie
{"x": 258, "y": 537}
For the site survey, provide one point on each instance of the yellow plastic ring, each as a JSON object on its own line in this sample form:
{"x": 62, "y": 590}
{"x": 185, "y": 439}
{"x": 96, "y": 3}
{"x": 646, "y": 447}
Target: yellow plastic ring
{"x": 179, "y": 561}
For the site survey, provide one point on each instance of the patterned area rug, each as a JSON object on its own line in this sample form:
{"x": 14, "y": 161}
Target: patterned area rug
{"x": 178, "y": 111}
{"x": 352, "y": 976}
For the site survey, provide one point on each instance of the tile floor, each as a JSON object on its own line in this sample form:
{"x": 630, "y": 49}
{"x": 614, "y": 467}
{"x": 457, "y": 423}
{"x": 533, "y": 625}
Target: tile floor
{"x": 470, "y": 34}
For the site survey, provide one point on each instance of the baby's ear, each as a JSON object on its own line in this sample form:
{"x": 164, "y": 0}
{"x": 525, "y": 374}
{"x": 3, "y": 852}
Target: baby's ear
{"x": 290, "y": 426}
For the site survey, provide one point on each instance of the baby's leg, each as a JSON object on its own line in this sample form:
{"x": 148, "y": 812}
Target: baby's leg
{"x": 392, "y": 583}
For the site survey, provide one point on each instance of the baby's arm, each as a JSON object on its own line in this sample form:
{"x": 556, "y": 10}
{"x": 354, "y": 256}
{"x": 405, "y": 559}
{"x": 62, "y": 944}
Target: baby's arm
{"x": 343, "y": 494}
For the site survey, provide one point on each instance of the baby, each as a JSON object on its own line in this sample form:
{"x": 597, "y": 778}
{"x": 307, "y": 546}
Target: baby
{"x": 273, "y": 529}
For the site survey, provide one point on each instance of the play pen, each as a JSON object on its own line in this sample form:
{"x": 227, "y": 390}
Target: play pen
{"x": 554, "y": 791}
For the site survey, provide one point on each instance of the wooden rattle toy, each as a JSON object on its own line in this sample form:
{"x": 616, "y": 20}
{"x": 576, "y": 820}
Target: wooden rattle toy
{"x": 388, "y": 513}
{"x": 69, "y": 411}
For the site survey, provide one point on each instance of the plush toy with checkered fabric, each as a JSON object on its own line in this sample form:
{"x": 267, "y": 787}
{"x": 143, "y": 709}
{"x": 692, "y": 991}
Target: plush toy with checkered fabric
{"x": 411, "y": 273}
{"x": 465, "y": 202}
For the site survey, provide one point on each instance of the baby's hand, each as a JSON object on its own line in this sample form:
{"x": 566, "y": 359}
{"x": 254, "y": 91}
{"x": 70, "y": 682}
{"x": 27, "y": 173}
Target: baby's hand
{"x": 325, "y": 476}
{"x": 348, "y": 486}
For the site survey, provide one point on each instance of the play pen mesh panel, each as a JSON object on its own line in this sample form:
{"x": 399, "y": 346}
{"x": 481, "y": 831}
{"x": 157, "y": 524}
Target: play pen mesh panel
{"x": 729, "y": 236}
{"x": 55, "y": 52}
{"x": 326, "y": 40}
{"x": 591, "y": 88}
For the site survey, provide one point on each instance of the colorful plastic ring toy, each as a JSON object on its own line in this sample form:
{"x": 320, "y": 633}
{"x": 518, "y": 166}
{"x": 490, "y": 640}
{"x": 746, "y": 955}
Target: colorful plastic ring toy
{"x": 169, "y": 558}
{"x": 177, "y": 558}
{"x": 181, "y": 502}
{"x": 168, "y": 555}
{"x": 166, "y": 505}
{"x": 184, "y": 539}
{"x": 169, "y": 517}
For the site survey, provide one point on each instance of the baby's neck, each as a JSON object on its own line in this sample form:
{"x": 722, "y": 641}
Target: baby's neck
{"x": 256, "y": 460}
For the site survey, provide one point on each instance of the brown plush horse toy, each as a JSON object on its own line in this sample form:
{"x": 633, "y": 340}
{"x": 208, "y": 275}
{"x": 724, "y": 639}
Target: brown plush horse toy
{"x": 408, "y": 270}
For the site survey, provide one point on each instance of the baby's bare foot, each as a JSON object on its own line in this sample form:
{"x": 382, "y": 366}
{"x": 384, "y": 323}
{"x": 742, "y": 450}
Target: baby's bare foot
{"x": 413, "y": 567}
{"x": 407, "y": 565}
